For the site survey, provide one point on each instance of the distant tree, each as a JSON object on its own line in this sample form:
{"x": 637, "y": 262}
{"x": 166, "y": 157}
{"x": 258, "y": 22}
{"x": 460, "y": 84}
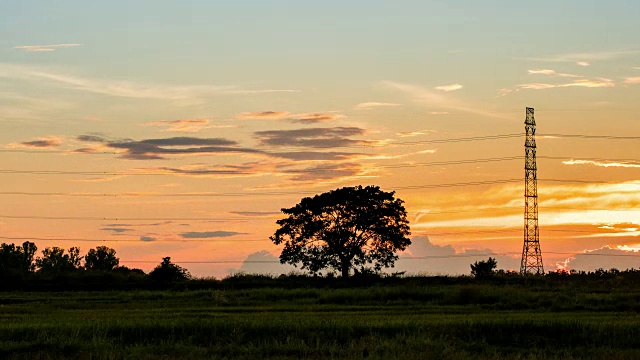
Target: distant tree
{"x": 168, "y": 271}
{"x": 55, "y": 260}
{"x": 127, "y": 271}
{"x": 101, "y": 258}
{"x": 484, "y": 269}
{"x": 17, "y": 258}
{"x": 348, "y": 228}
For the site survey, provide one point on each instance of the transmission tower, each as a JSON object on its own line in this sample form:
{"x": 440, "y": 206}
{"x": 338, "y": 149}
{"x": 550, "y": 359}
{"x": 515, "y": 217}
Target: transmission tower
{"x": 531, "y": 255}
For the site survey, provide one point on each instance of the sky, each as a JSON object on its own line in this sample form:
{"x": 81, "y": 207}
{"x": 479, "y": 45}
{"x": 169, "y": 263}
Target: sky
{"x": 181, "y": 128}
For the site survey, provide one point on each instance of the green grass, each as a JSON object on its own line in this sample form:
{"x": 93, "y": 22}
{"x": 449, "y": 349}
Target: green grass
{"x": 382, "y": 322}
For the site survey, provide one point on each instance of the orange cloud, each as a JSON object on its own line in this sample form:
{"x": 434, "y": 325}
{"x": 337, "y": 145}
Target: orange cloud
{"x": 373, "y": 105}
{"x": 264, "y": 115}
{"x": 414, "y": 133}
{"x": 189, "y": 126}
{"x": 551, "y": 73}
{"x": 305, "y": 118}
{"x": 632, "y": 80}
{"x": 46, "y": 142}
{"x": 448, "y": 88}
{"x": 602, "y": 164}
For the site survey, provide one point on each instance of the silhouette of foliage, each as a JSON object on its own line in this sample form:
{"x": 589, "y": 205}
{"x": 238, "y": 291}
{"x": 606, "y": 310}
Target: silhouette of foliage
{"x": 17, "y": 259}
{"x": 358, "y": 228}
{"x": 101, "y": 258}
{"x": 484, "y": 269}
{"x": 54, "y": 260}
{"x": 168, "y": 271}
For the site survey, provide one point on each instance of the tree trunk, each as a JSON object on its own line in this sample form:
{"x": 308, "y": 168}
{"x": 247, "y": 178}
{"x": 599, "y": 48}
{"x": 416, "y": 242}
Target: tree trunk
{"x": 346, "y": 265}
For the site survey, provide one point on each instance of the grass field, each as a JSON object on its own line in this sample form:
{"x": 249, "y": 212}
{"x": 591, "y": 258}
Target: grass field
{"x": 406, "y": 321}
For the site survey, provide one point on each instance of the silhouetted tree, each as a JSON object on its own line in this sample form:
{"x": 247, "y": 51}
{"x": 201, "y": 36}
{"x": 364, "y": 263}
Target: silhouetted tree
{"x": 484, "y": 269}
{"x": 101, "y": 258}
{"x": 168, "y": 271}
{"x": 347, "y": 228}
{"x": 55, "y": 260}
{"x": 17, "y": 258}
{"x": 127, "y": 271}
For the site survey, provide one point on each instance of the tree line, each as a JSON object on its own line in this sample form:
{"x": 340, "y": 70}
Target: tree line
{"x": 22, "y": 260}
{"x": 354, "y": 231}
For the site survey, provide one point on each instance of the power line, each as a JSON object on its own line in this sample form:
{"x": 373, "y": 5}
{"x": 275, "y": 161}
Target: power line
{"x": 226, "y": 240}
{"x": 585, "y": 136}
{"x": 461, "y": 255}
{"x": 364, "y": 145}
{"x": 502, "y": 231}
{"x": 97, "y": 218}
{"x": 317, "y": 169}
{"x": 280, "y": 148}
{"x": 210, "y": 240}
{"x": 218, "y": 219}
{"x": 585, "y": 159}
{"x": 205, "y": 172}
{"x": 368, "y": 144}
{"x": 547, "y": 208}
{"x": 274, "y": 193}
{"x": 233, "y": 194}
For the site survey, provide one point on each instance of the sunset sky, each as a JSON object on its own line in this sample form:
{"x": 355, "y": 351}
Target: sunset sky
{"x": 181, "y": 128}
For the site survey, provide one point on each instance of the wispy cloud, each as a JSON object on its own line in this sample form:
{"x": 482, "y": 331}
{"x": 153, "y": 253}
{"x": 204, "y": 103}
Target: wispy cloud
{"x": 586, "y": 83}
{"x": 583, "y": 59}
{"x": 204, "y": 170}
{"x": 264, "y": 115}
{"x": 92, "y": 118}
{"x": 121, "y": 88}
{"x": 447, "y": 88}
{"x": 47, "y": 142}
{"x": 116, "y": 230}
{"x": 317, "y": 155}
{"x": 255, "y": 213}
{"x": 314, "y": 118}
{"x": 602, "y": 163}
{"x": 326, "y": 172}
{"x": 429, "y": 97}
{"x": 304, "y": 118}
{"x": 186, "y": 126}
{"x": 37, "y": 48}
{"x": 163, "y": 148}
{"x": 632, "y": 80}
{"x": 374, "y": 105}
{"x": 97, "y": 179}
{"x": 312, "y": 137}
{"x": 151, "y": 149}
{"x": 552, "y": 73}
{"x": 414, "y": 133}
{"x": 208, "y": 234}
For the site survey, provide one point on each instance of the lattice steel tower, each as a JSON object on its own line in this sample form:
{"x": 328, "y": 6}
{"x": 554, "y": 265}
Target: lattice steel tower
{"x": 531, "y": 255}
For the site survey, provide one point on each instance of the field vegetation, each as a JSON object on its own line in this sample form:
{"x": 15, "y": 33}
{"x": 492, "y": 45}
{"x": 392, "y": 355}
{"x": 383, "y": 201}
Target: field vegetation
{"x": 566, "y": 316}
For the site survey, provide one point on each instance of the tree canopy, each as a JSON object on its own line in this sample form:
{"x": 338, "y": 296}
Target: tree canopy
{"x": 54, "y": 260}
{"x": 359, "y": 228}
{"x": 17, "y": 258}
{"x": 102, "y": 258}
{"x": 168, "y": 271}
{"x": 484, "y": 269}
